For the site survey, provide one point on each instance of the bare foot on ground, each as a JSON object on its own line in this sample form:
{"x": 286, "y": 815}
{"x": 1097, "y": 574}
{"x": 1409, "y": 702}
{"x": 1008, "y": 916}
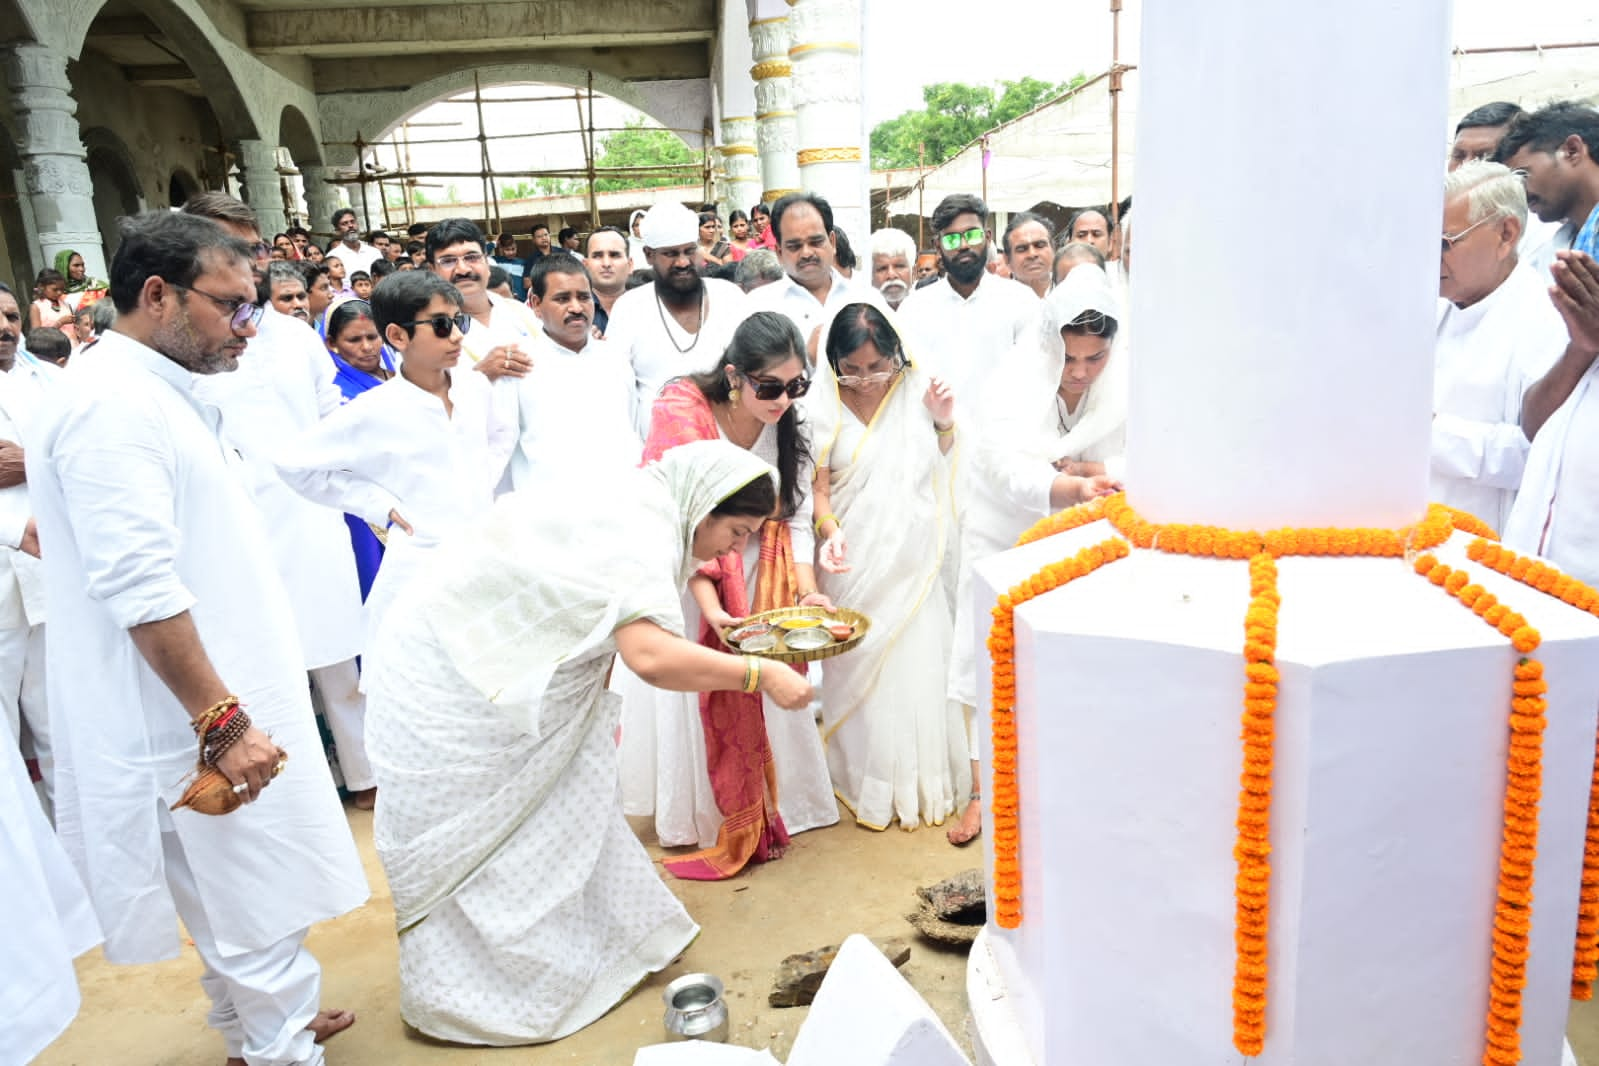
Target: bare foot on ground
{"x": 969, "y": 827}
{"x": 330, "y": 1023}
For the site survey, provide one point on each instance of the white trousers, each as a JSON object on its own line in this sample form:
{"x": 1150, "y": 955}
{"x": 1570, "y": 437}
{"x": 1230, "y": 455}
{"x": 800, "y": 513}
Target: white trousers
{"x": 22, "y": 694}
{"x": 261, "y": 1001}
{"x": 344, "y": 706}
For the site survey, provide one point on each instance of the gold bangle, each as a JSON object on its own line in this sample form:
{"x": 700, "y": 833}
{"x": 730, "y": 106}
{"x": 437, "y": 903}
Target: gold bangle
{"x": 829, "y": 517}
{"x": 944, "y": 432}
{"x": 752, "y": 673}
{"x": 208, "y": 717}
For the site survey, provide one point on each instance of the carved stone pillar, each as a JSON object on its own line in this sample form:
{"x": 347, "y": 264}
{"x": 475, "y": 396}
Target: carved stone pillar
{"x": 321, "y": 199}
{"x": 262, "y": 188}
{"x": 776, "y": 136}
{"x": 826, "y": 56}
{"x": 55, "y": 174}
{"x": 741, "y": 161}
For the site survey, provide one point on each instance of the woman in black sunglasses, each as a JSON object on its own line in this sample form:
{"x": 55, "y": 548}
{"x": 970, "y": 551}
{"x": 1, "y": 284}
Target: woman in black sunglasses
{"x": 748, "y": 399}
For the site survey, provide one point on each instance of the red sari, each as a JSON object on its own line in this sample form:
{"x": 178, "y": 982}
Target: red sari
{"x": 737, "y": 753}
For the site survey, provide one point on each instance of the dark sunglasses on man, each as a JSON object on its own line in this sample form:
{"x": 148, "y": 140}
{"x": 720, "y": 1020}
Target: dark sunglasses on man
{"x": 768, "y": 389}
{"x": 442, "y": 323}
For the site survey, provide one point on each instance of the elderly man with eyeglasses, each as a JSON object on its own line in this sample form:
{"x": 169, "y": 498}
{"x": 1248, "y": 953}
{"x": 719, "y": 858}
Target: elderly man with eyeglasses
{"x": 807, "y": 246}
{"x": 1497, "y": 334}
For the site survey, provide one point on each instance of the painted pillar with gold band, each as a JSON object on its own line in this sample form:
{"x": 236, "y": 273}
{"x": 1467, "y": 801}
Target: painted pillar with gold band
{"x": 776, "y": 136}
{"x": 741, "y": 163}
{"x": 739, "y": 170}
{"x": 826, "y": 53}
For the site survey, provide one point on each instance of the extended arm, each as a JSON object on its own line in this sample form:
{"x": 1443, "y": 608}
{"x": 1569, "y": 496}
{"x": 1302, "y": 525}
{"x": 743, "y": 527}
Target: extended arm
{"x": 677, "y": 665}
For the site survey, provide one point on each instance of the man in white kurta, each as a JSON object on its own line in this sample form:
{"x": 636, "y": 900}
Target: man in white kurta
{"x": 813, "y": 290}
{"x": 284, "y": 387}
{"x": 1556, "y": 514}
{"x": 682, "y": 323}
{"x": 22, "y": 613}
{"x": 48, "y": 921}
{"x": 159, "y": 566}
{"x": 1497, "y": 334}
{"x": 968, "y": 319}
{"x": 575, "y": 407}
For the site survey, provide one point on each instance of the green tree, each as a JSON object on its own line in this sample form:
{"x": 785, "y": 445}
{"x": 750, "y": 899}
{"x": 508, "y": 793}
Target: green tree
{"x": 953, "y": 115}
{"x": 644, "y": 146}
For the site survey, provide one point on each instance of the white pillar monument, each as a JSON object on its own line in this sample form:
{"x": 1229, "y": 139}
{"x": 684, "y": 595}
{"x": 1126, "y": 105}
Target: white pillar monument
{"x": 56, "y": 175}
{"x": 1293, "y": 396}
{"x": 776, "y": 136}
{"x": 261, "y": 185}
{"x": 826, "y": 53}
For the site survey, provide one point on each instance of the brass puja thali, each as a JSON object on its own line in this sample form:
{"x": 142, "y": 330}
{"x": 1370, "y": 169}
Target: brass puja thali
{"x": 798, "y": 634}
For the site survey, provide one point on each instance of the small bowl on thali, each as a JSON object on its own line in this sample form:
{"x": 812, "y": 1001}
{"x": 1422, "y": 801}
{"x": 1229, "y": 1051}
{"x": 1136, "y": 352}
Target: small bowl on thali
{"x": 756, "y": 643}
{"x": 740, "y": 634}
{"x": 840, "y": 630}
{"x": 808, "y": 639}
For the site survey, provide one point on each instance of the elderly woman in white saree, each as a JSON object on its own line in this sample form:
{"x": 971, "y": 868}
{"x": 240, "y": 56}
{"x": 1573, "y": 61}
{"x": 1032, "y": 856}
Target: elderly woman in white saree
{"x": 1053, "y": 433}
{"x": 526, "y": 907}
{"x": 885, "y": 434}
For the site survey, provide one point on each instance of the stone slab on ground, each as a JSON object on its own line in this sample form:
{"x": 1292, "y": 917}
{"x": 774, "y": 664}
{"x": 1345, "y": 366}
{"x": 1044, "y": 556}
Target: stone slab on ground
{"x": 799, "y": 976}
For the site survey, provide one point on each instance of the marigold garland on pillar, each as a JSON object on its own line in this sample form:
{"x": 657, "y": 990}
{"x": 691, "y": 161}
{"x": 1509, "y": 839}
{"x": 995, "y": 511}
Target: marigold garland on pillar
{"x": 1002, "y": 648}
{"x": 1523, "y": 784}
{"x": 1567, "y": 589}
{"x": 1252, "y": 851}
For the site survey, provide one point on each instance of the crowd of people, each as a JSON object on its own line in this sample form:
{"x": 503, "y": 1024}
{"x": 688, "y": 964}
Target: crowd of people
{"x": 492, "y": 513}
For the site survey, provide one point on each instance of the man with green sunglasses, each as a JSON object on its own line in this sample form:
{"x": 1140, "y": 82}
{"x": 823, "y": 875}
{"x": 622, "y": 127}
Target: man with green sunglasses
{"x": 968, "y": 319}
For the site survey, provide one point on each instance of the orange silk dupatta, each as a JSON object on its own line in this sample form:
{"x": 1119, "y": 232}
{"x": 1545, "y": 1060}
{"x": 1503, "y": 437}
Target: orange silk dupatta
{"x": 737, "y": 753}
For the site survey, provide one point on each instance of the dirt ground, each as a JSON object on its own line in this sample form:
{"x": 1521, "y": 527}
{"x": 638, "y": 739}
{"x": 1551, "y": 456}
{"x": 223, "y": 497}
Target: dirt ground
{"x": 831, "y": 883}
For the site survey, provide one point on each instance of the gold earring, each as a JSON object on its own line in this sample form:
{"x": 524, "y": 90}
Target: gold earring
{"x": 732, "y": 397}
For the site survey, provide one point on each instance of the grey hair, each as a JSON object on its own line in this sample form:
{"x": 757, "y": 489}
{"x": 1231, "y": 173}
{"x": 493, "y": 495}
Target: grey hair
{"x": 1494, "y": 191}
{"x": 759, "y": 267}
{"x": 104, "y": 314}
{"x": 893, "y": 244}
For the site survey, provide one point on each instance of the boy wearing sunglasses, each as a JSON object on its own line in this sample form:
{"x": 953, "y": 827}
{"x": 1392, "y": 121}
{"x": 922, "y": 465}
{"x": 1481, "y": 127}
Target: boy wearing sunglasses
{"x": 421, "y": 454}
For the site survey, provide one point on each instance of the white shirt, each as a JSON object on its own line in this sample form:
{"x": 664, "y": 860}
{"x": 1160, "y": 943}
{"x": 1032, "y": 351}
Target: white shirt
{"x": 1541, "y": 240}
{"x": 644, "y": 332}
{"x": 22, "y": 390}
{"x": 574, "y": 412}
{"x": 510, "y": 322}
{"x": 964, "y": 338}
{"x": 808, "y": 313}
{"x": 283, "y": 387}
{"x": 145, "y": 517}
{"x": 1557, "y": 511}
{"x": 361, "y": 257}
{"x": 1486, "y": 357}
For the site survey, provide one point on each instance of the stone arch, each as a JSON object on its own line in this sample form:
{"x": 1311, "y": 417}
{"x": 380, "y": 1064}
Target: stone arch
{"x": 180, "y": 186}
{"x": 15, "y": 25}
{"x": 297, "y": 135}
{"x": 115, "y": 181}
{"x": 194, "y": 37}
{"x": 375, "y": 114}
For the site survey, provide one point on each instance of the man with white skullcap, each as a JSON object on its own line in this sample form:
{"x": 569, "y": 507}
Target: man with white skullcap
{"x": 681, "y": 323}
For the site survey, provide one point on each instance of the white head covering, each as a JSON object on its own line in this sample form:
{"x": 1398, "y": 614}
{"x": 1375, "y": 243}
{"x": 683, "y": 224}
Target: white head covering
{"x": 1086, "y": 288}
{"x": 555, "y": 569}
{"x": 669, "y": 225}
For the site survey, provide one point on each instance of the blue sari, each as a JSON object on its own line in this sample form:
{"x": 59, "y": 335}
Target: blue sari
{"x": 368, "y": 549}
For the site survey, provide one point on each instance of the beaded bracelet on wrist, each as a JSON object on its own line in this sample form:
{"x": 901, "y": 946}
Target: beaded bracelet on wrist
{"x": 218, "y": 741}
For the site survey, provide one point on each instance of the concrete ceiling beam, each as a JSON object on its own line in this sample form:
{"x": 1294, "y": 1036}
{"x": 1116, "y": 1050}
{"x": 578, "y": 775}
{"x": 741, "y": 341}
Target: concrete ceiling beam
{"x": 463, "y": 27}
{"x": 660, "y": 63}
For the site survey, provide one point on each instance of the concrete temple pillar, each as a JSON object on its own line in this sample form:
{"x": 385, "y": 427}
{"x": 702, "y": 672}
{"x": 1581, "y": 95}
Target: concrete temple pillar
{"x": 55, "y": 173}
{"x": 262, "y": 188}
{"x": 740, "y": 172}
{"x": 321, "y": 199}
{"x": 776, "y": 135}
{"x": 826, "y": 56}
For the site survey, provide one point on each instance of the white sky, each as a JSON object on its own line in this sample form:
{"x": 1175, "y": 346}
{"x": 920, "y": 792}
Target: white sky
{"x": 910, "y": 43}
